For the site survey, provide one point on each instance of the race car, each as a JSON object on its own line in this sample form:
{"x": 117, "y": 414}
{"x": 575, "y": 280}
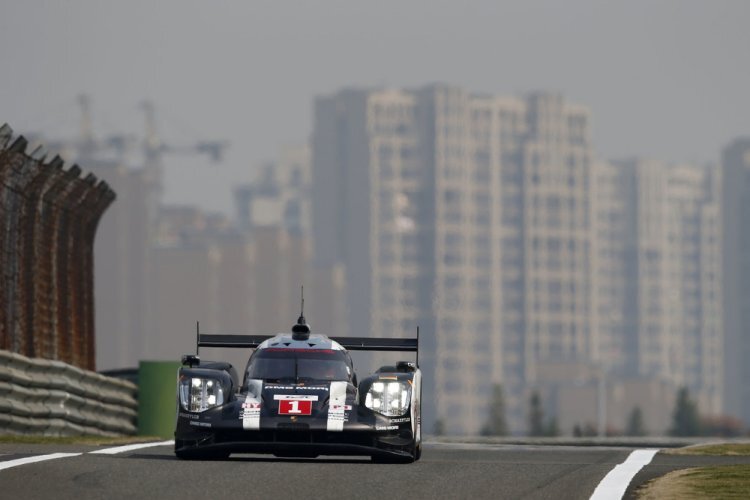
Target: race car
{"x": 299, "y": 397}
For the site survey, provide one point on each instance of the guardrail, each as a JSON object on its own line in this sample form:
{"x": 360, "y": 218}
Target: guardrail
{"x": 45, "y": 397}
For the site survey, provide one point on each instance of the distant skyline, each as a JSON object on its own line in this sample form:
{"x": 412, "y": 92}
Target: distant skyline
{"x": 665, "y": 80}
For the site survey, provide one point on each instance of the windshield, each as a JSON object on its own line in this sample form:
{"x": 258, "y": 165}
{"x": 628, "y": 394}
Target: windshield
{"x": 292, "y": 365}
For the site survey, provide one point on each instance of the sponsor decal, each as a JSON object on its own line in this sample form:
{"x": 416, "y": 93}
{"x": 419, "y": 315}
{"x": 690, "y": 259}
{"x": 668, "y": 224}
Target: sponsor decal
{"x": 200, "y": 424}
{"x": 292, "y": 387}
{"x": 400, "y": 420}
{"x": 339, "y": 407}
{"x": 295, "y": 397}
{"x": 336, "y": 420}
{"x": 250, "y": 413}
{"x": 386, "y": 427}
{"x": 188, "y": 415}
{"x": 296, "y": 349}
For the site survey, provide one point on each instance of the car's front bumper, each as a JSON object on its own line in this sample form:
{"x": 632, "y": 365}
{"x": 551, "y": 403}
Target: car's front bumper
{"x": 298, "y": 443}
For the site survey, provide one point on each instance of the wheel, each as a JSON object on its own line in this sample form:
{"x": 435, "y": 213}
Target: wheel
{"x": 414, "y": 454}
{"x": 418, "y": 437}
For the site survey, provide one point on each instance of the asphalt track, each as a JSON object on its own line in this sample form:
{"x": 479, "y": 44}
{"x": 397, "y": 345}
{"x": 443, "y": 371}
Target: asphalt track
{"x": 445, "y": 471}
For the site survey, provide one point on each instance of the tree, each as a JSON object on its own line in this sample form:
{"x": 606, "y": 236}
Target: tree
{"x": 439, "y": 428}
{"x": 496, "y": 424}
{"x": 536, "y": 415}
{"x": 685, "y": 419}
{"x": 586, "y": 430}
{"x": 635, "y": 426}
{"x": 552, "y": 429}
{"x": 721, "y": 425}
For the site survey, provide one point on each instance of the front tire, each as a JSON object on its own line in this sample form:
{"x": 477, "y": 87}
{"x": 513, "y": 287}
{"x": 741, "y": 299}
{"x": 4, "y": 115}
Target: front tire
{"x": 414, "y": 452}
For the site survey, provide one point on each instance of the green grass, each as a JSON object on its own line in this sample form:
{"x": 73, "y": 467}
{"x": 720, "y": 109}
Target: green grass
{"x": 84, "y": 440}
{"x": 726, "y": 449}
{"x": 727, "y": 481}
{"x": 724, "y": 481}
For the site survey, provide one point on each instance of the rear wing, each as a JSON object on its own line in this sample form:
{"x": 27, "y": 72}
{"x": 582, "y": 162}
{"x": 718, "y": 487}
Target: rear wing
{"x": 349, "y": 343}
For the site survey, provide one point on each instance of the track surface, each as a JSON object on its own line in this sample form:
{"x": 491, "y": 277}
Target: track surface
{"x": 445, "y": 471}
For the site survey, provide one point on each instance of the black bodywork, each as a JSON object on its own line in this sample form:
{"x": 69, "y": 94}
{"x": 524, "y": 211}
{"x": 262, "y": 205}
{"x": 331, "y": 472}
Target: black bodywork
{"x": 301, "y": 413}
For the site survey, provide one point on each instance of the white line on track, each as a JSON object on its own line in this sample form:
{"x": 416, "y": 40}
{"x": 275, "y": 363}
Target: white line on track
{"x": 617, "y": 480}
{"x": 130, "y": 447}
{"x": 30, "y": 460}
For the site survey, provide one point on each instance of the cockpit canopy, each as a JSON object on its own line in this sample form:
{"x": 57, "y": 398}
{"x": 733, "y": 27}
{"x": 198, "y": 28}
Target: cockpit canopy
{"x": 294, "y": 365}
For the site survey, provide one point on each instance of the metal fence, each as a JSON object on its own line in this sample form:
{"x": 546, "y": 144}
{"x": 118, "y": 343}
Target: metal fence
{"x": 48, "y": 220}
{"x": 43, "y": 397}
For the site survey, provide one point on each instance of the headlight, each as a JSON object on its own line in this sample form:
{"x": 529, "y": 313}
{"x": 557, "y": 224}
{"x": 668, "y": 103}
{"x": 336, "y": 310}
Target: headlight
{"x": 389, "y": 398}
{"x": 200, "y": 394}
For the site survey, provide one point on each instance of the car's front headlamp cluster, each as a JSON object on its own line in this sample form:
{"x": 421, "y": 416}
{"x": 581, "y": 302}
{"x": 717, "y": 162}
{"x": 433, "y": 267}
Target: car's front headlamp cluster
{"x": 200, "y": 394}
{"x": 388, "y": 398}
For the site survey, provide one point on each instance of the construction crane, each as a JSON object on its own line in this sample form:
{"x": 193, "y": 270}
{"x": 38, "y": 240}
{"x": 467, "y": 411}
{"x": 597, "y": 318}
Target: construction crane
{"x": 154, "y": 147}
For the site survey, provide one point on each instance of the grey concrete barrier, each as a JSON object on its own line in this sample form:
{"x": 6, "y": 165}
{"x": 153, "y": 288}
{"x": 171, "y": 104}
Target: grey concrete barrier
{"x": 51, "y": 398}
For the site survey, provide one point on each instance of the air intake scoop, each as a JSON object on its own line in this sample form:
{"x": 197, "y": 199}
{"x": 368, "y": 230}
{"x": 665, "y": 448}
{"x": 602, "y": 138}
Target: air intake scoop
{"x": 301, "y": 331}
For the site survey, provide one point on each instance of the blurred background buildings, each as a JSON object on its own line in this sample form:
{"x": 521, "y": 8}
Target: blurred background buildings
{"x": 488, "y": 221}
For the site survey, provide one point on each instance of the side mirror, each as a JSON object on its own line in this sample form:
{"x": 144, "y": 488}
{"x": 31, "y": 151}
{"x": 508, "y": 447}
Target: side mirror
{"x": 406, "y": 366}
{"x": 191, "y": 360}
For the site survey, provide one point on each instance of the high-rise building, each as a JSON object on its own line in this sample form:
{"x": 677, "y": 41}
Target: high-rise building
{"x": 273, "y": 211}
{"x": 123, "y": 265}
{"x": 614, "y": 267}
{"x": 487, "y": 221}
{"x": 188, "y": 280}
{"x": 657, "y": 274}
{"x": 371, "y": 199}
{"x": 466, "y": 215}
{"x": 546, "y": 243}
{"x": 735, "y": 238}
{"x": 280, "y": 196}
{"x": 232, "y": 281}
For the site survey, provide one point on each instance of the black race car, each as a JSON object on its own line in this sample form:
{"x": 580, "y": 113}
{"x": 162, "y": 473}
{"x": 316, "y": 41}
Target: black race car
{"x": 299, "y": 398}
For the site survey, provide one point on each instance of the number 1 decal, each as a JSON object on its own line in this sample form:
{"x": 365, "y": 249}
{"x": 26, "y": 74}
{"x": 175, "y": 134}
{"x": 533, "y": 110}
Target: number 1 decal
{"x": 295, "y": 407}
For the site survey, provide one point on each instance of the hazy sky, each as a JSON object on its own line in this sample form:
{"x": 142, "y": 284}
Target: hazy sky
{"x": 664, "y": 79}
